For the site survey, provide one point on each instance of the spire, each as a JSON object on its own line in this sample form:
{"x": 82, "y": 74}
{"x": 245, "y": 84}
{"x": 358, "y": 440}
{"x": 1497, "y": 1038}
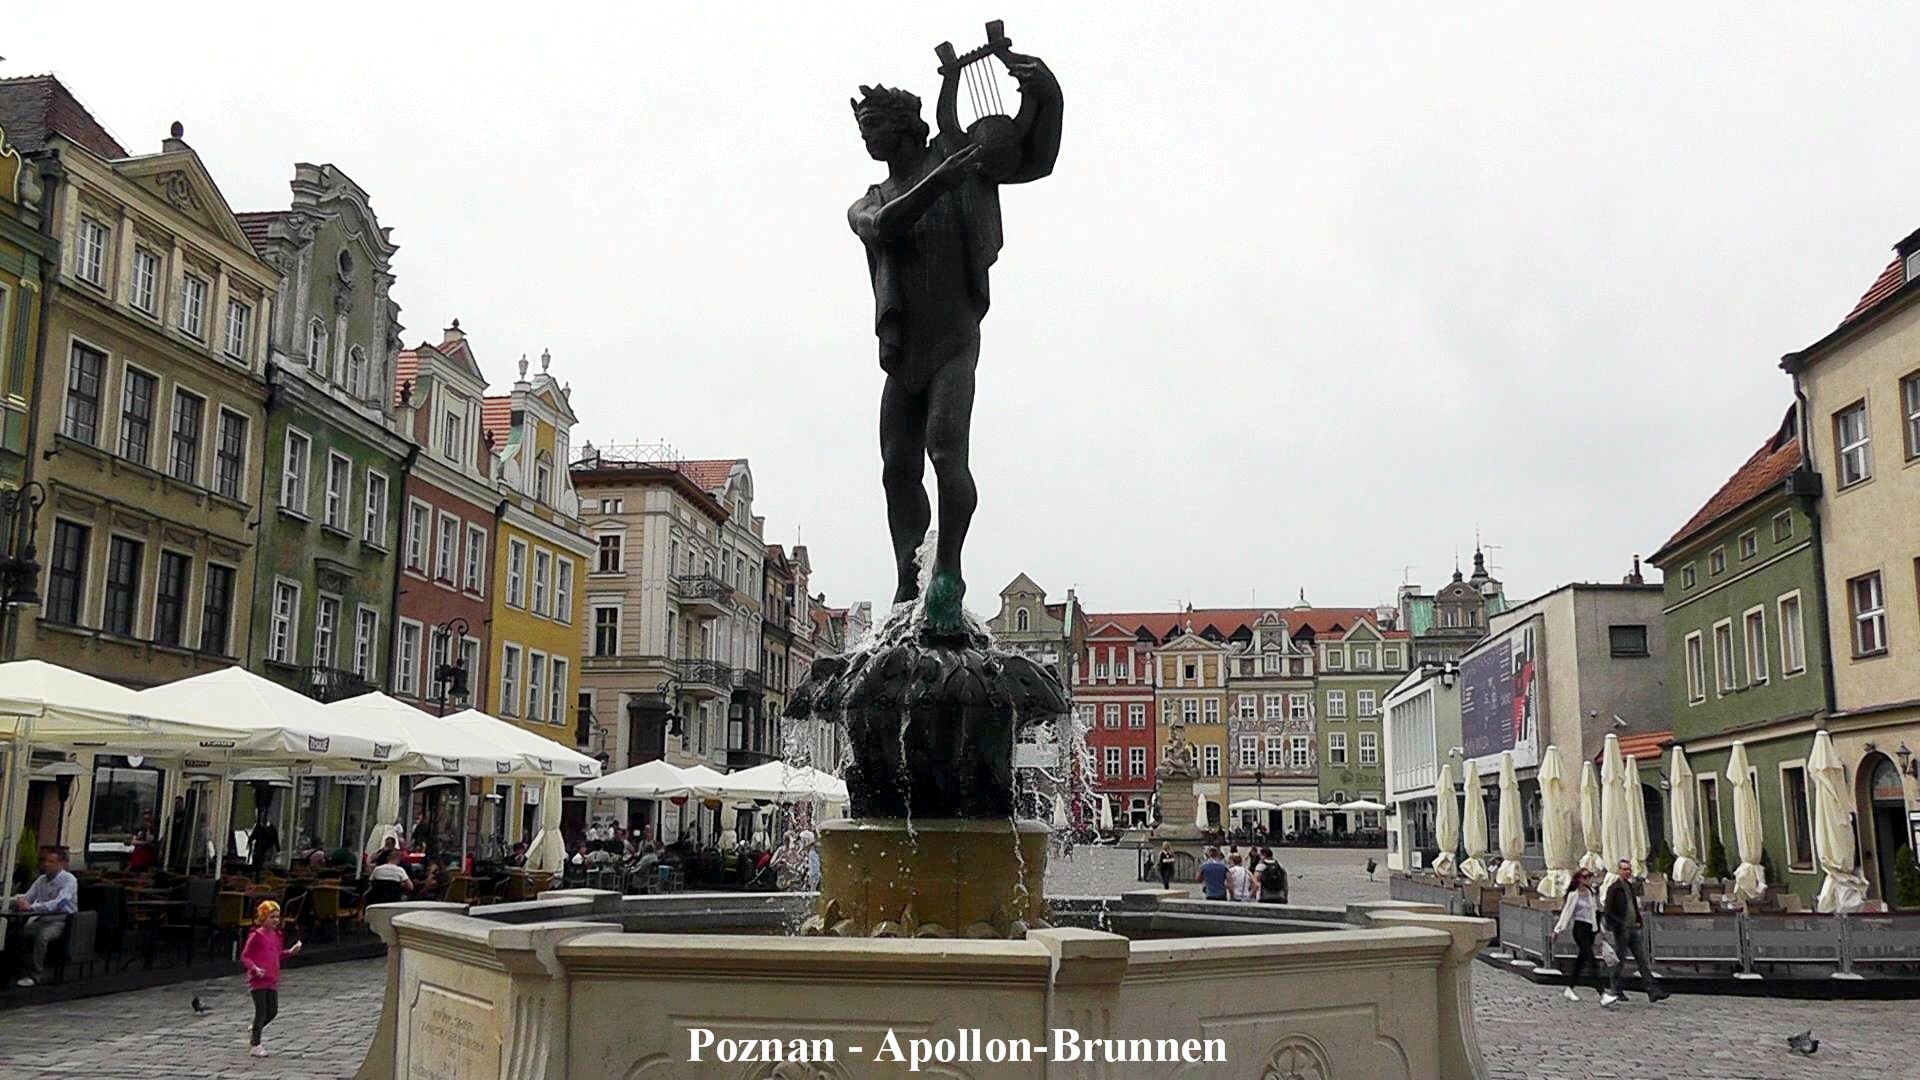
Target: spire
{"x": 1301, "y": 604}
{"x": 1479, "y": 564}
{"x": 1456, "y": 564}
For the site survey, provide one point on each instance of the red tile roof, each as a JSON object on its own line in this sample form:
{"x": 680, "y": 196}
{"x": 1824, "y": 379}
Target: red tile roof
{"x": 1764, "y": 471}
{"x": 1322, "y": 621}
{"x": 709, "y": 474}
{"x": 1643, "y": 747}
{"x": 35, "y": 108}
{"x": 496, "y": 415}
{"x": 1889, "y": 282}
{"x": 406, "y": 369}
{"x": 255, "y": 224}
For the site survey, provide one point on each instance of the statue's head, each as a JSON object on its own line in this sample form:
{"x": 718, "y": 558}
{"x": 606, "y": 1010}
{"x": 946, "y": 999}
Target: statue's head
{"x": 889, "y": 121}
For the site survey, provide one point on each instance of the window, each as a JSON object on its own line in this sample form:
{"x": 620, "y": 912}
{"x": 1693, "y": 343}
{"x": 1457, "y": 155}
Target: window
{"x": 1869, "y": 608}
{"x": 1793, "y": 798}
{"x": 563, "y": 590}
{"x": 1276, "y": 752}
{"x": 542, "y": 577}
{"x": 239, "y": 321}
{"x": 1336, "y": 705}
{"x": 439, "y": 655}
{"x": 470, "y": 661}
{"x": 1212, "y": 707}
{"x": 1793, "y": 636}
{"x": 1190, "y": 710}
{"x": 1137, "y": 716}
{"x": 356, "y": 372}
{"x": 319, "y": 356}
{"x": 1910, "y": 410}
{"x": 1249, "y": 706}
{"x": 1210, "y": 761}
{"x": 123, "y": 585}
{"x": 326, "y": 630}
{"x": 517, "y": 573}
{"x": 1723, "y": 673}
{"x": 1782, "y": 525}
{"x": 366, "y": 640}
{"x": 610, "y": 553}
{"x": 1300, "y": 752}
{"x": 1136, "y": 761}
{"x": 417, "y": 517}
{"x": 216, "y": 610}
{"x": 1112, "y": 756}
{"x": 454, "y": 436}
{"x": 1270, "y": 663}
{"x": 193, "y": 306}
{"x": 1753, "y": 628}
{"x": 1717, "y": 561}
{"x": 145, "y": 293}
{"x": 1749, "y": 544}
{"x": 446, "y": 548}
{"x": 1192, "y": 673}
{"x": 476, "y": 558}
{"x": 1337, "y": 748}
{"x": 1082, "y": 717}
{"x": 613, "y": 506}
{"x": 606, "y": 630}
{"x": 1686, "y": 576}
{"x": 543, "y": 482}
{"x": 1363, "y": 702}
{"x": 406, "y": 675}
{"x": 1363, "y": 660}
{"x": 1249, "y": 751}
{"x": 509, "y": 681}
{"x": 1110, "y": 714}
{"x": 373, "y": 524}
{"x": 1022, "y": 620}
{"x": 1393, "y": 658}
{"x": 1854, "y": 444}
{"x": 293, "y": 472}
{"x": 1696, "y": 669}
{"x": 557, "y": 705}
{"x": 536, "y": 686}
{"x": 90, "y": 254}
{"x": 170, "y": 598}
{"x": 339, "y": 490}
{"x": 1627, "y": 639}
{"x": 1369, "y": 748}
{"x": 183, "y": 459}
{"x": 137, "y": 392}
{"x": 230, "y": 455}
{"x": 82, "y": 418}
{"x": 286, "y": 604}
{"x": 1276, "y": 707}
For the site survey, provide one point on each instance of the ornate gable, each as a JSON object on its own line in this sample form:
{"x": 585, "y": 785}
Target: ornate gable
{"x": 177, "y": 178}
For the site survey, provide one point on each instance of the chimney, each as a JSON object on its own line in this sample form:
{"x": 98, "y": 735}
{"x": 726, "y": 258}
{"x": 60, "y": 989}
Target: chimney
{"x": 1635, "y": 578}
{"x": 453, "y": 335}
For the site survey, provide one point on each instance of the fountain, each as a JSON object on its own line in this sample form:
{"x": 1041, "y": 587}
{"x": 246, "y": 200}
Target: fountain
{"x": 931, "y": 945}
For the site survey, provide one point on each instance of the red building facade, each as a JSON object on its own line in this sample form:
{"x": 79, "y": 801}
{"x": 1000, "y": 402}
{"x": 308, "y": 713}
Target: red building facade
{"x": 1113, "y": 693}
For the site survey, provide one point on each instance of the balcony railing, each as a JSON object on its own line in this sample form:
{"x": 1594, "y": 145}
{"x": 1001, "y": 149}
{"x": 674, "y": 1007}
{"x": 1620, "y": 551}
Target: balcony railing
{"x": 706, "y": 672}
{"x": 748, "y": 681}
{"x": 333, "y": 684}
{"x": 703, "y": 588}
{"x": 746, "y": 759}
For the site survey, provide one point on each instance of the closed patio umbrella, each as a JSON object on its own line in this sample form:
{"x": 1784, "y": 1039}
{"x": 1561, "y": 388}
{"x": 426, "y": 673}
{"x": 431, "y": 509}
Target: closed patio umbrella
{"x": 1446, "y": 820}
{"x": 1683, "y": 828}
{"x": 1556, "y": 824}
{"x": 1059, "y": 811}
{"x": 1200, "y": 811}
{"x": 1513, "y": 836}
{"x": 1749, "y": 880}
{"x": 1590, "y": 859}
{"x": 1473, "y": 827}
{"x": 1106, "y": 814}
{"x": 1616, "y": 831}
{"x": 548, "y": 852}
{"x": 1844, "y": 890}
{"x": 1638, "y": 846}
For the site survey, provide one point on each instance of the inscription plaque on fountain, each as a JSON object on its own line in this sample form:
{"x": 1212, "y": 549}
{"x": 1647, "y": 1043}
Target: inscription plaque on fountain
{"x": 452, "y": 1037}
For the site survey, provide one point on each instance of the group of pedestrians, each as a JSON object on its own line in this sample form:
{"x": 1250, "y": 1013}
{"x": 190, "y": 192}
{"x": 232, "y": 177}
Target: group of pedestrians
{"x": 1615, "y": 908}
{"x": 1254, "y": 877}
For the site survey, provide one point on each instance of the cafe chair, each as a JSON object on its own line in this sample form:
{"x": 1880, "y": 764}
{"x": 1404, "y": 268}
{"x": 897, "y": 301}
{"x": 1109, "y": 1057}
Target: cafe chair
{"x": 229, "y": 918}
{"x": 76, "y": 947}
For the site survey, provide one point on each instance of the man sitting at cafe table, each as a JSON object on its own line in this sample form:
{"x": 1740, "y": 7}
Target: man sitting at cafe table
{"x": 53, "y": 896}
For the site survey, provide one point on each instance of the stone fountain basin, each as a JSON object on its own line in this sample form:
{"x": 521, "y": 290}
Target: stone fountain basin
{"x": 583, "y": 983}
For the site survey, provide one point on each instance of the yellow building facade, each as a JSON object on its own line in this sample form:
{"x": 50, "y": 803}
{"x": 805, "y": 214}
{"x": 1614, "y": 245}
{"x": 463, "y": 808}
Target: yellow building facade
{"x": 24, "y": 252}
{"x": 1190, "y": 689}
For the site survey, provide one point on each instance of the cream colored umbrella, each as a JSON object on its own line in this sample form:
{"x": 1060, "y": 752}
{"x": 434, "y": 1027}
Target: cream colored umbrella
{"x": 1750, "y": 880}
{"x": 1590, "y": 859}
{"x": 1513, "y": 836}
{"x": 1473, "y": 827}
{"x": 1844, "y": 890}
{"x": 1200, "y": 812}
{"x": 1639, "y": 846}
{"x": 1059, "y": 813}
{"x": 548, "y": 853}
{"x": 385, "y": 822}
{"x": 1616, "y": 831}
{"x": 1683, "y": 813}
{"x": 1106, "y": 814}
{"x": 1556, "y": 825}
{"x": 1446, "y": 820}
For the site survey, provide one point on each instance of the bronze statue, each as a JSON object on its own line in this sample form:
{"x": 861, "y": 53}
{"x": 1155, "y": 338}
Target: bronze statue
{"x": 932, "y": 230}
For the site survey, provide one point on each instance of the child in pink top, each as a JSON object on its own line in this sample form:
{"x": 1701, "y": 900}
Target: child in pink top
{"x": 261, "y": 955}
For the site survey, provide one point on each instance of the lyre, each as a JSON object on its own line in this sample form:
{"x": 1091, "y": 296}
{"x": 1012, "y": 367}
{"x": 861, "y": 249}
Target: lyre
{"x": 997, "y": 132}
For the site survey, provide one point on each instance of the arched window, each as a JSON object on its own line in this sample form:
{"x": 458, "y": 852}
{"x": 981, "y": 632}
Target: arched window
{"x": 318, "y": 356}
{"x": 1021, "y": 620}
{"x": 356, "y": 372}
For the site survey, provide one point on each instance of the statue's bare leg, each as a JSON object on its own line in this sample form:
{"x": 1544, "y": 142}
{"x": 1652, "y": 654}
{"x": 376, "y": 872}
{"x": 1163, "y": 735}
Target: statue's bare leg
{"x": 903, "y": 463}
{"x": 949, "y": 420}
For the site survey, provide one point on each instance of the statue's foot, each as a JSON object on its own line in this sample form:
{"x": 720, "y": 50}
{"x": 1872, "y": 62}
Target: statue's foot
{"x": 945, "y": 616}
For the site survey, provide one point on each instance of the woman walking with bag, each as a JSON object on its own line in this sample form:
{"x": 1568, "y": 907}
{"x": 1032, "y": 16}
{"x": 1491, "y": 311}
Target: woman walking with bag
{"x": 1581, "y": 911}
{"x": 262, "y": 954}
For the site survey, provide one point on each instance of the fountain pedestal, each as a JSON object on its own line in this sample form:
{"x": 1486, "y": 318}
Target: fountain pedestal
{"x": 884, "y": 877}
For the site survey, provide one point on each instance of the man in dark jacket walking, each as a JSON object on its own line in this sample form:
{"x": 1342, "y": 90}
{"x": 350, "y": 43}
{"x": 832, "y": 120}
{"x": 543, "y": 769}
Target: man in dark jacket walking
{"x": 1620, "y": 910}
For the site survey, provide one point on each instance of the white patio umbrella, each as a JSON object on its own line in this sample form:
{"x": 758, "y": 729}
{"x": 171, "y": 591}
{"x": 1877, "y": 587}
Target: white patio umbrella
{"x": 1303, "y": 804}
{"x": 1513, "y": 836}
{"x": 1446, "y": 820}
{"x": 1616, "y": 831}
{"x": 548, "y": 852}
{"x": 775, "y": 781}
{"x": 1253, "y": 804}
{"x": 1844, "y": 890}
{"x": 1059, "y": 811}
{"x": 1363, "y": 806}
{"x": 1749, "y": 880}
{"x": 1473, "y": 826}
{"x": 285, "y": 724}
{"x": 1683, "y": 810}
{"x": 1590, "y": 831}
{"x": 435, "y": 746}
{"x": 1200, "y": 811}
{"x": 552, "y": 757}
{"x": 1636, "y": 816}
{"x": 1106, "y": 814}
{"x": 1556, "y": 824}
{"x": 657, "y": 779}
{"x": 384, "y": 822}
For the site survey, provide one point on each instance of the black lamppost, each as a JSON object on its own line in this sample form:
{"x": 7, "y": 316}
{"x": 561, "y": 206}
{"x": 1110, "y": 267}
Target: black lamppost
{"x": 19, "y": 564}
{"x": 1259, "y": 795}
{"x": 450, "y": 678}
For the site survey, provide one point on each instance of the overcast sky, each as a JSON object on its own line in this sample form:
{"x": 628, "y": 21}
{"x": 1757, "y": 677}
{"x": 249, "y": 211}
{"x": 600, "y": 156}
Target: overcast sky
{"x": 1311, "y": 296}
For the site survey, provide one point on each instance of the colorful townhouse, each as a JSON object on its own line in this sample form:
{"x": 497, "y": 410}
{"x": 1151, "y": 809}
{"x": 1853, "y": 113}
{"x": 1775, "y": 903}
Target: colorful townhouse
{"x": 27, "y": 248}
{"x": 1113, "y": 689}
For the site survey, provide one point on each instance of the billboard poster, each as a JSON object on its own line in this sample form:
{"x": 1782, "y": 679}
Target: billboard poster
{"x": 1499, "y": 701}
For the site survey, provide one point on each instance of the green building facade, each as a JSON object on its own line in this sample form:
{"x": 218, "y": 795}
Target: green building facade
{"x": 1359, "y": 665}
{"x": 1747, "y": 655}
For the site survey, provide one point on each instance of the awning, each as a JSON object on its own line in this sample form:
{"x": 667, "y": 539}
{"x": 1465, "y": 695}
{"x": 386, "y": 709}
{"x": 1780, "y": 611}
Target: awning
{"x": 284, "y": 723}
{"x": 57, "y": 706}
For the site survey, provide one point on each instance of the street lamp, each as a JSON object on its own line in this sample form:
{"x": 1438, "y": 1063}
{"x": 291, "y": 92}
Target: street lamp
{"x": 19, "y": 564}
{"x": 450, "y": 678}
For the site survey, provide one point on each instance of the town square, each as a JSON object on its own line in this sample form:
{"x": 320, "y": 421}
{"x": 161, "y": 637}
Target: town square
{"x": 1256, "y": 542}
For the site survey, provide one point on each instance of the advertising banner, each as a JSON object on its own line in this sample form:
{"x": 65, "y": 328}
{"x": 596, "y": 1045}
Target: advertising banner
{"x": 1498, "y": 703}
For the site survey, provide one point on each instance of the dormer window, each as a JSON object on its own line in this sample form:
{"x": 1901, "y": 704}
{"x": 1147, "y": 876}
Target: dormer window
{"x": 317, "y": 349}
{"x": 1913, "y": 264}
{"x": 454, "y": 432}
{"x": 543, "y": 482}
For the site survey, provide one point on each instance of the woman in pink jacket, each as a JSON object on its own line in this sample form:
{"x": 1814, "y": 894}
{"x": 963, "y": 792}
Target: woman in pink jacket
{"x": 261, "y": 955}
